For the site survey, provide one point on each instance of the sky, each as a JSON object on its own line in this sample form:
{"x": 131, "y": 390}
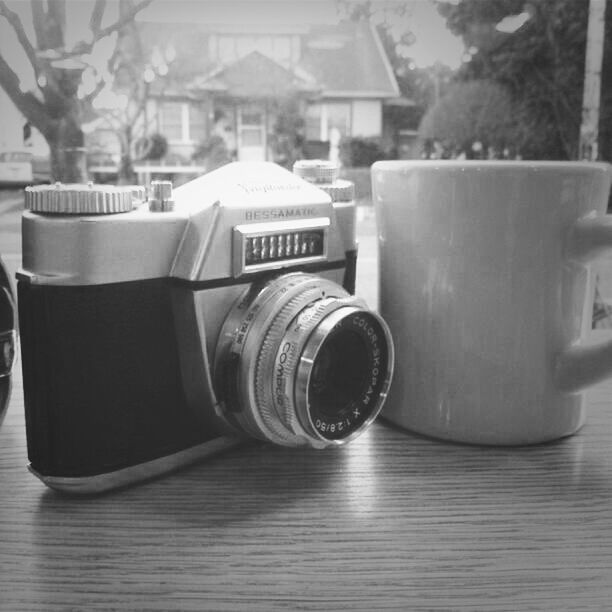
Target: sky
{"x": 434, "y": 43}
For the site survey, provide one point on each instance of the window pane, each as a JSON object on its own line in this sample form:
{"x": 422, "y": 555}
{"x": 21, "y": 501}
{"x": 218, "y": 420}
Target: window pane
{"x": 251, "y": 118}
{"x": 172, "y": 120}
{"x": 313, "y": 122}
{"x": 282, "y": 50}
{"x": 251, "y": 137}
{"x": 339, "y": 117}
{"x": 226, "y": 49}
{"x": 197, "y": 123}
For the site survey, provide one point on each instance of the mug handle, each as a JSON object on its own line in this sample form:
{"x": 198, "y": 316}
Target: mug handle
{"x": 582, "y": 366}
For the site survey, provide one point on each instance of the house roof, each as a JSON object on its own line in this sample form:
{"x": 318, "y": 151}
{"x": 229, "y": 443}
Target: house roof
{"x": 342, "y": 60}
{"x": 254, "y": 75}
{"x": 348, "y": 59}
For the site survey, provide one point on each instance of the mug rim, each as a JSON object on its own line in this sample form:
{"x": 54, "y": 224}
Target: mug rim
{"x": 493, "y": 164}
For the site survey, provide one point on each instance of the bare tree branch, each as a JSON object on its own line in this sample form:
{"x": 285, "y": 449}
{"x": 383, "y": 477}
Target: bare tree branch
{"x": 90, "y": 97}
{"x": 32, "y": 108}
{"x": 38, "y": 20}
{"x": 17, "y": 26}
{"x": 126, "y": 18}
{"x": 55, "y": 24}
{"x": 52, "y": 91}
{"x": 97, "y": 13}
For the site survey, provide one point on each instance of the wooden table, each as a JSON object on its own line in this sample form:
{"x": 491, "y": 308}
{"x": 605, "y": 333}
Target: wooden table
{"x": 392, "y": 521}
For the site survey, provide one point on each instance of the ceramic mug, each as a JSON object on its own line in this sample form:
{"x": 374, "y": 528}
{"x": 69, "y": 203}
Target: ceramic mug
{"x": 485, "y": 284}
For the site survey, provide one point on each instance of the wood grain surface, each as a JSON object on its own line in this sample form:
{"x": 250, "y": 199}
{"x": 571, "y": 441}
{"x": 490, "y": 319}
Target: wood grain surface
{"x": 391, "y": 522}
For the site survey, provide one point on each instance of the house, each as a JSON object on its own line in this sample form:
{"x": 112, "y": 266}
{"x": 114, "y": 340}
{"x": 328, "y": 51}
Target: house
{"x": 263, "y": 76}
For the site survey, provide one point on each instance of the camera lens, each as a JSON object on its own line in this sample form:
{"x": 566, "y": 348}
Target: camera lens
{"x": 345, "y": 376}
{"x": 302, "y": 362}
{"x": 337, "y": 374}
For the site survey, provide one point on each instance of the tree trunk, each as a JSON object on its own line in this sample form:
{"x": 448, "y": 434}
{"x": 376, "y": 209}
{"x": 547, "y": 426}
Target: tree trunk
{"x": 68, "y": 153}
{"x": 127, "y": 176}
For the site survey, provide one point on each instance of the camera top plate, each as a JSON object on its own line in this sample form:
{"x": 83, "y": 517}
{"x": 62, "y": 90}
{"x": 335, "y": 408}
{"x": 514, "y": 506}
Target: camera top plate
{"x": 192, "y": 241}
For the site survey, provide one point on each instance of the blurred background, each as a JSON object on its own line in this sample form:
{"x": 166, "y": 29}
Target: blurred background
{"x": 132, "y": 90}
{"x": 103, "y": 88}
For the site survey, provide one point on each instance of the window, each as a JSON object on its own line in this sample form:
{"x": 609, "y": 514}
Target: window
{"x": 182, "y": 122}
{"x": 251, "y": 125}
{"x": 197, "y": 123}
{"x": 321, "y": 119}
{"x": 313, "y": 122}
{"x": 171, "y": 120}
{"x": 339, "y": 118}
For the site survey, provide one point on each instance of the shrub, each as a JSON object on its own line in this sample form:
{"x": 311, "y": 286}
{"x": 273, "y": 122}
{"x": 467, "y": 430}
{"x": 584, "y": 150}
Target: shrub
{"x": 359, "y": 152}
{"x": 213, "y": 152}
{"x": 156, "y": 147}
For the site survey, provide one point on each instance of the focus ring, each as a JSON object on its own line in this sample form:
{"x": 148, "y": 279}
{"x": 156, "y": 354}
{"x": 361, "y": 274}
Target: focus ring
{"x": 269, "y": 373}
{"x": 265, "y": 375}
{"x": 240, "y": 341}
{"x": 296, "y": 336}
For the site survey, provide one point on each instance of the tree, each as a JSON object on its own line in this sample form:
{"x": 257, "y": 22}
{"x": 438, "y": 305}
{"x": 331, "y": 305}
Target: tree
{"x": 472, "y": 112}
{"x": 422, "y": 86}
{"x": 541, "y": 64}
{"x": 132, "y": 70}
{"x": 60, "y": 105}
{"x": 287, "y": 136}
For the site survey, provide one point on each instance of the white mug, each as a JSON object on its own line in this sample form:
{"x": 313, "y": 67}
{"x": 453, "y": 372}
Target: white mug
{"x": 486, "y": 285}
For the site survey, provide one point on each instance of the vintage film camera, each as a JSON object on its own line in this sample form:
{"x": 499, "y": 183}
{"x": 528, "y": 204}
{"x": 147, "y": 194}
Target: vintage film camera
{"x": 7, "y": 338}
{"x": 157, "y": 332}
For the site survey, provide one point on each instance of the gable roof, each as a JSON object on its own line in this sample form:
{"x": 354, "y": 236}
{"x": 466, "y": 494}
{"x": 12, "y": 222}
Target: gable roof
{"x": 348, "y": 59}
{"x": 345, "y": 59}
{"x": 253, "y": 75}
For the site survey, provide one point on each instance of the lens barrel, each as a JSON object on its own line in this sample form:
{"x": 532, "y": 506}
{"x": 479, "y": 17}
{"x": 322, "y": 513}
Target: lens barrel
{"x": 302, "y": 362}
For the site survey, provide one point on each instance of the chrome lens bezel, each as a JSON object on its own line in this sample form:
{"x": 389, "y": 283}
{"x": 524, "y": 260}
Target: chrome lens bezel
{"x": 298, "y": 311}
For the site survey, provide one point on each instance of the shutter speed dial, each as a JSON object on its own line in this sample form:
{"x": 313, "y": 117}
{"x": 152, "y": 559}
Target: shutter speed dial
{"x": 83, "y": 199}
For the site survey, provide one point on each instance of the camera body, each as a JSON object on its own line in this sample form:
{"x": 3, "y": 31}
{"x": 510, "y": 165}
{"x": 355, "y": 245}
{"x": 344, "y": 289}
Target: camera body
{"x": 143, "y": 324}
{"x": 7, "y": 338}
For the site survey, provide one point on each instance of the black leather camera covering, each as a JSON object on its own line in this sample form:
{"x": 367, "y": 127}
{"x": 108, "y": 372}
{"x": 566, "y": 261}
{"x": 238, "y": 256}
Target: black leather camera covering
{"x": 120, "y": 401}
{"x": 101, "y": 375}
